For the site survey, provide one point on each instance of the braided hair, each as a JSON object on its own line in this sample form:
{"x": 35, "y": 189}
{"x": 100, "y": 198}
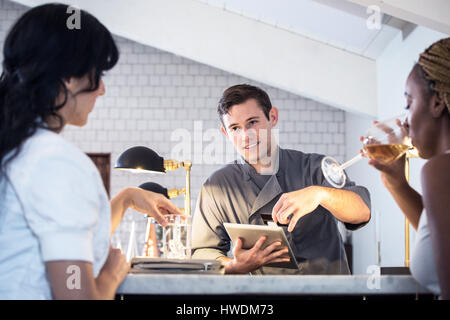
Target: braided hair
{"x": 435, "y": 64}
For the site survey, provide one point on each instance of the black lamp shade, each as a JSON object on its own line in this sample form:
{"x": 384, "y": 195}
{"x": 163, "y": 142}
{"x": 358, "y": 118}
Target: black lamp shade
{"x": 154, "y": 187}
{"x": 141, "y": 158}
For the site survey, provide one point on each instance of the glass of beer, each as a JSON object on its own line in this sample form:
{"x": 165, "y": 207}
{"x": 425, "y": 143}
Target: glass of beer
{"x": 385, "y": 142}
{"x": 172, "y": 241}
{"x": 176, "y": 237}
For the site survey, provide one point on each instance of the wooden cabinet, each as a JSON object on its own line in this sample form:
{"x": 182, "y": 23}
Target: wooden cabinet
{"x": 103, "y": 163}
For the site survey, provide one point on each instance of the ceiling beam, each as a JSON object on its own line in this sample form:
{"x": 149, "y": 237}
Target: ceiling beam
{"x": 245, "y": 47}
{"x": 433, "y": 14}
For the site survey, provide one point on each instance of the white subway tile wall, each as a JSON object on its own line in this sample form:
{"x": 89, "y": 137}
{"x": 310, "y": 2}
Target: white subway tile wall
{"x": 168, "y": 103}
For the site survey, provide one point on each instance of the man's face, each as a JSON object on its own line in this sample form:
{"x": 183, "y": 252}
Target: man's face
{"x": 249, "y": 130}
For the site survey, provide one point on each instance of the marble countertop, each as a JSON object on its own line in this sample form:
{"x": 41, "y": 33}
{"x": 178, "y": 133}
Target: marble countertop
{"x": 183, "y": 284}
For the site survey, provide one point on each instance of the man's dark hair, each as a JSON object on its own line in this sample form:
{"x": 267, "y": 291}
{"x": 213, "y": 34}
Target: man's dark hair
{"x": 241, "y": 93}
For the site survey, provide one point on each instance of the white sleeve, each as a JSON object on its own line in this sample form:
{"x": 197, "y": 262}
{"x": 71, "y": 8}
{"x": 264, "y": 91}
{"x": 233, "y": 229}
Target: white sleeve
{"x": 62, "y": 205}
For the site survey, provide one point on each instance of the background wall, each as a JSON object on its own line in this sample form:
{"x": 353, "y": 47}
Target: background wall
{"x": 152, "y": 95}
{"x": 168, "y": 103}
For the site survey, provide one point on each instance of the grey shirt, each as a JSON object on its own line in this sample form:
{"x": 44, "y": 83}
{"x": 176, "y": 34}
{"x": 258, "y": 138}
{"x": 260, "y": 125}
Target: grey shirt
{"x": 237, "y": 194}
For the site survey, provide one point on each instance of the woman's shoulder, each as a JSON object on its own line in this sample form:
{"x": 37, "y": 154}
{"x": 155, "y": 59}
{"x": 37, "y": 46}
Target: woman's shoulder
{"x": 436, "y": 183}
{"x": 437, "y": 167}
{"x": 47, "y": 139}
{"x": 47, "y": 144}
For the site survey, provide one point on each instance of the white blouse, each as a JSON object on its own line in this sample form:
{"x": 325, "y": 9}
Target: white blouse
{"x": 422, "y": 265}
{"x": 53, "y": 207}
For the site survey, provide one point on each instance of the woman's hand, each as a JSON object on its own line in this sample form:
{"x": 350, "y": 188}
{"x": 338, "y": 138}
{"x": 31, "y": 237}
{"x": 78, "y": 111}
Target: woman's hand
{"x": 116, "y": 266}
{"x": 112, "y": 274}
{"x": 75, "y": 279}
{"x": 151, "y": 203}
{"x": 392, "y": 174}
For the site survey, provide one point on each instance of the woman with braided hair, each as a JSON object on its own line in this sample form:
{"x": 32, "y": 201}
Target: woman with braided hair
{"x": 428, "y": 101}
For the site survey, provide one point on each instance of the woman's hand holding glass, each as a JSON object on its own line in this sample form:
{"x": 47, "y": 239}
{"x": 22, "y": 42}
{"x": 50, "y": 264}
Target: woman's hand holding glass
{"x": 384, "y": 143}
{"x": 392, "y": 172}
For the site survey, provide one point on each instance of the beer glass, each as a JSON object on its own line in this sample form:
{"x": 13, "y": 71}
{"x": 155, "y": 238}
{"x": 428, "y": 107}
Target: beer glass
{"x": 384, "y": 141}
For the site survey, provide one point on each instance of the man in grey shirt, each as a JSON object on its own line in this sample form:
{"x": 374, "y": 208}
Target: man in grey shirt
{"x": 270, "y": 182}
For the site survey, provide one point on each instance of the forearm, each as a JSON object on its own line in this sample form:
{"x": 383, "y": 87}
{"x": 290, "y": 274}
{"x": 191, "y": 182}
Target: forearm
{"x": 345, "y": 205}
{"x": 105, "y": 287}
{"x": 410, "y": 202}
{"x": 119, "y": 205}
{"x": 80, "y": 284}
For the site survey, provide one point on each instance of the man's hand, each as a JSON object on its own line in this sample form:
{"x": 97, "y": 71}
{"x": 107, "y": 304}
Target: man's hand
{"x": 249, "y": 260}
{"x": 296, "y": 203}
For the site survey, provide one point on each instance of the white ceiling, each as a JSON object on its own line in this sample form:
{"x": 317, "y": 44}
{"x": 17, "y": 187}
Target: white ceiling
{"x": 335, "y": 22}
{"x": 319, "y": 49}
{"x": 432, "y": 14}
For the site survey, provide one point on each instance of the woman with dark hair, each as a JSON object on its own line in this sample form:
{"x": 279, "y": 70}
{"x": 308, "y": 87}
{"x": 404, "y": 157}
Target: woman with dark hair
{"x": 428, "y": 101}
{"x": 55, "y": 217}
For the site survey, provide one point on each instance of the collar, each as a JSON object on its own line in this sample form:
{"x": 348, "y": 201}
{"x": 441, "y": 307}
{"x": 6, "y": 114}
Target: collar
{"x": 249, "y": 171}
{"x": 270, "y": 191}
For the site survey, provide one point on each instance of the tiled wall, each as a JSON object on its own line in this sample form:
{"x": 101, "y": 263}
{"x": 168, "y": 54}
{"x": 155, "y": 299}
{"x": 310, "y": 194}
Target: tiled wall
{"x": 152, "y": 94}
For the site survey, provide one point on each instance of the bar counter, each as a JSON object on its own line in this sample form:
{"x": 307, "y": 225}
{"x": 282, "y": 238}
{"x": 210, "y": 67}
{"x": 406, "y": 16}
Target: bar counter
{"x": 271, "y": 285}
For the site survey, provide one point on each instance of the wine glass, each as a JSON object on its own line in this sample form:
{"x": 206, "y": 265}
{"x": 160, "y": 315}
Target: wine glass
{"x": 384, "y": 141}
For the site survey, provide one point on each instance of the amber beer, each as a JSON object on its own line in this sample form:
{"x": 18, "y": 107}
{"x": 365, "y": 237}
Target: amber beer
{"x": 385, "y": 153}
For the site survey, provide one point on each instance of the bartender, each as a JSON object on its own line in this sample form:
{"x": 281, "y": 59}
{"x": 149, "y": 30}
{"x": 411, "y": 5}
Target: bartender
{"x": 268, "y": 182}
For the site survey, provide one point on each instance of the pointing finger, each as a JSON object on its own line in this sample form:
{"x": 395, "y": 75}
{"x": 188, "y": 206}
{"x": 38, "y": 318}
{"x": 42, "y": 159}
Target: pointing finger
{"x": 276, "y": 208}
{"x": 158, "y": 216}
{"x": 294, "y": 219}
{"x": 169, "y": 206}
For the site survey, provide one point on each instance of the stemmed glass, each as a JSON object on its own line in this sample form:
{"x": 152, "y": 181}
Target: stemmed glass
{"x": 384, "y": 141}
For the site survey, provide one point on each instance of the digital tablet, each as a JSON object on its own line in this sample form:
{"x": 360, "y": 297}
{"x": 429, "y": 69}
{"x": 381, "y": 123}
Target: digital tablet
{"x": 250, "y": 234}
